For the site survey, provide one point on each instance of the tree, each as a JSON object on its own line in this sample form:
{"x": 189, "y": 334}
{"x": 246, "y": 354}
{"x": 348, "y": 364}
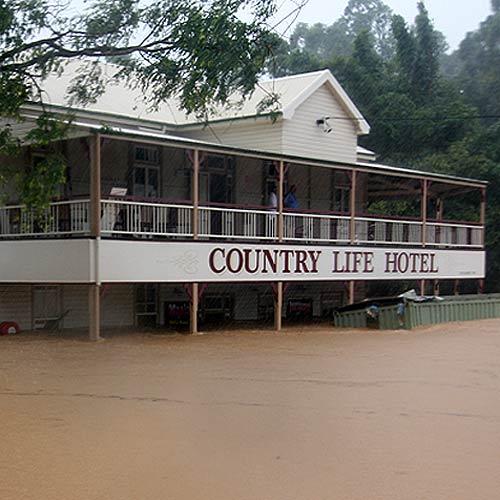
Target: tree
{"x": 418, "y": 50}
{"x": 199, "y": 50}
{"x": 325, "y": 42}
{"x": 286, "y": 60}
{"x": 479, "y": 55}
{"x": 373, "y": 16}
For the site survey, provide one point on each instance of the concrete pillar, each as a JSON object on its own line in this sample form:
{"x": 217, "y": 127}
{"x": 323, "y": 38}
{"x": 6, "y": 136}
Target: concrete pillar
{"x": 278, "y": 305}
{"x": 193, "y": 309}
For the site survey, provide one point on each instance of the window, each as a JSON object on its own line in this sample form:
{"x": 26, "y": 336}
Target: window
{"x": 146, "y": 172}
{"x": 216, "y": 179}
{"x": 146, "y": 304}
{"x": 341, "y": 192}
{"x": 271, "y": 179}
{"x": 146, "y": 154}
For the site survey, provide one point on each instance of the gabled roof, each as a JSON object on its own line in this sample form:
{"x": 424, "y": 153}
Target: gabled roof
{"x": 120, "y": 100}
{"x": 320, "y": 78}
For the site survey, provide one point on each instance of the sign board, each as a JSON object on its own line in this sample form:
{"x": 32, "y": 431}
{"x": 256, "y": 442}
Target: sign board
{"x": 122, "y": 261}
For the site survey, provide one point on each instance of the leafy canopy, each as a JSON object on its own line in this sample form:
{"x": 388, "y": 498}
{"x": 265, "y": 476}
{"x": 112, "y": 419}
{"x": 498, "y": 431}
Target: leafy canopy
{"x": 199, "y": 50}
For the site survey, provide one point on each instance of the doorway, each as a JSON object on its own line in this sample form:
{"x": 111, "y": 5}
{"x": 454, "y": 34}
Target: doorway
{"x": 146, "y": 305}
{"x": 216, "y": 187}
{"x": 46, "y": 305}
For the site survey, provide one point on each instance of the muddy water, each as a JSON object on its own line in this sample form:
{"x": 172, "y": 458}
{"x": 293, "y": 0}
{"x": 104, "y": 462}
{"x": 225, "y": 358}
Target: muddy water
{"x": 304, "y": 415}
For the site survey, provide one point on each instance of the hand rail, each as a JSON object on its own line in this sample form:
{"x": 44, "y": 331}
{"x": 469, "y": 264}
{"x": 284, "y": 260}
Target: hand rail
{"x": 120, "y": 216}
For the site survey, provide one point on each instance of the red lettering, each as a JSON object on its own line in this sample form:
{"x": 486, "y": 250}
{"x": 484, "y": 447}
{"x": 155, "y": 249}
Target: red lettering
{"x": 247, "y": 253}
{"x": 211, "y": 260}
{"x": 286, "y": 260}
{"x": 369, "y": 267}
{"x": 270, "y": 260}
{"x": 229, "y": 260}
{"x": 314, "y": 254}
{"x": 300, "y": 261}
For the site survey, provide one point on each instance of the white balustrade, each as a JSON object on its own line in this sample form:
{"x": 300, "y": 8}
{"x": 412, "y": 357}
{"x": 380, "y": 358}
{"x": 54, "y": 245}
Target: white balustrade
{"x": 315, "y": 227}
{"x": 238, "y": 223}
{"x": 60, "y": 218}
{"x": 124, "y": 217}
{"x": 388, "y": 231}
{"x": 443, "y": 234}
{"x": 147, "y": 219}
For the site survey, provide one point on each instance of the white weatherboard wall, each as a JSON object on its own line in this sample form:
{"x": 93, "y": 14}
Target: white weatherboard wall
{"x": 15, "y": 305}
{"x": 117, "y": 305}
{"x": 259, "y": 135}
{"x": 302, "y": 137}
{"x": 298, "y": 135}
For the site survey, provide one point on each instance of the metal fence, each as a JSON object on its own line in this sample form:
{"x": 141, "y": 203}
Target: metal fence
{"x": 415, "y": 314}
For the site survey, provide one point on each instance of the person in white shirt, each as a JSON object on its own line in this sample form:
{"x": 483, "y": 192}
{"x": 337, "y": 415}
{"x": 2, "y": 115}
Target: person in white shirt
{"x": 272, "y": 201}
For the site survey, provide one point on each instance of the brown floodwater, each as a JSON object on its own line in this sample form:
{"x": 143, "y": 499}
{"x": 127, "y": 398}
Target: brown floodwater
{"x": 308, "y": 415}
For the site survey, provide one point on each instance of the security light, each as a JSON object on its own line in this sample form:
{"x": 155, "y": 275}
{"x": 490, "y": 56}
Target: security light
{"x": 324, "y": 125}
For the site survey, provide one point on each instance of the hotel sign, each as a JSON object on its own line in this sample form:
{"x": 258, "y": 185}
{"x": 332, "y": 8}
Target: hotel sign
{"x": 223, "y": 262}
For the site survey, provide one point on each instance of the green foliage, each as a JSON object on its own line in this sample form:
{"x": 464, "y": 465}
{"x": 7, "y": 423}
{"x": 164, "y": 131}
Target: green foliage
{"x": 38, "y": 185}
{"x": 422, "y": 116}
{"x": 322, "y": 42}
{"x": 418, "y": 53}
{"x": 478, "y": 66}
{"x": 199, "y": 50}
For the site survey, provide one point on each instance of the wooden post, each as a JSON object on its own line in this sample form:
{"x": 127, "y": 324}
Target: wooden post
{"x": 352, "y": 288}
{"x": 436, "y": 287}
{"x": 278, "y": 305}
{"x": 95, "y": 186}
{"x": 278, "y": 288}
{"x": 196, "y": 192}
{"x": 425, "y": 193}
{"x": 195, "y": 195}
{"x": 352, "y": 227}
{"x": 94, "y": 312}
{"x": 281, "y": 195}
{"x": 482, "y": 216}
{"x": 193, "y": 309}
{"x": 439, "y": 218}
{"x": 425, "y": 188}
{"x": 95, "y": 234}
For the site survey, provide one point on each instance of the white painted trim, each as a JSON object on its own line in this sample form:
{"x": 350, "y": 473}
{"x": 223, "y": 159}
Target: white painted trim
{"x": 183, "y": 262}
{"x": 326, "y": 77}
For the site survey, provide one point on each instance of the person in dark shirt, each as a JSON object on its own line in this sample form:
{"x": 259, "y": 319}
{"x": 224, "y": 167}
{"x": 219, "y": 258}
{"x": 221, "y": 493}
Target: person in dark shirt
{"x": 291, "y": 199}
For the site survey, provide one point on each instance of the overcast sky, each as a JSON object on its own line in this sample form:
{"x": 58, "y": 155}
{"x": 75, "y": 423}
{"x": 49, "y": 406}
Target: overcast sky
{"x": 453, "y": 17}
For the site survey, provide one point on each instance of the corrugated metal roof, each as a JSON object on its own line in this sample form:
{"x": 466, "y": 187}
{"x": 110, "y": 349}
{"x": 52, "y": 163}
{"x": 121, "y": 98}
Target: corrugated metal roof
{"x": 208, "y": 146}
{"x": 125, "y": 101}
